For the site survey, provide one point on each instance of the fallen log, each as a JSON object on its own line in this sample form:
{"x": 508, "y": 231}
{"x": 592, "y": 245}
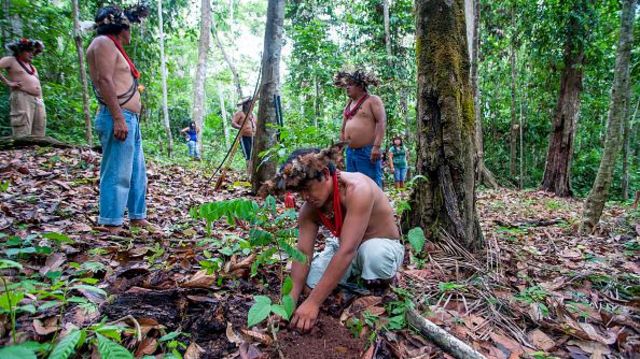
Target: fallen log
{"x": 10, "y": 142}
{"x": 446, "y": 341}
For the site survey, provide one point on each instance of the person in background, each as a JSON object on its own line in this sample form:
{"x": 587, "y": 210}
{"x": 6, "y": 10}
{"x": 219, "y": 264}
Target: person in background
{"x": 398, "y": 162}
{"x": 192, "y": 140}
{"x": 28, "y": 115}
{"x": 247, "y": 128}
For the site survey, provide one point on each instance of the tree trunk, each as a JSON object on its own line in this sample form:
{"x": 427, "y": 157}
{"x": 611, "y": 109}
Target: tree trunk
{"x": 443, "y": 202}
{"x": 201, "y": 71}
{"x": 225, "y": 124}
{"x": 472, "y": 16}
{"x": 266, "y": 134}
{"x": 627, "y": 149}
{"x": 513, "y": 137}
{"x": 163, "y": 70}
{"x": 619, "y": 97}
{"x": 557, "y": 172}
{"x": 227, "y": 59}
{"x": 77, "y": 36}
{"x": 316, "y": 101}
{"x": 387, "y": 31}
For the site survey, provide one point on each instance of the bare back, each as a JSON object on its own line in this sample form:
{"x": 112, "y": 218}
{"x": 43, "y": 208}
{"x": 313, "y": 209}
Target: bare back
{"x": 28, "y": 83}
{"x": 360, "y": 130}
{"x": 104, "y": 59}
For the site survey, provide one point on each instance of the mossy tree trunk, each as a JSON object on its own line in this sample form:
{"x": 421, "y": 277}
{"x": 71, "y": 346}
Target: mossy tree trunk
{"x": 443, "y": 202}
{"x": 620, "y": 92}
{"x": 266, "y": 135}
{"x": 77, "y": 37}
{"x": 557, "y": 171}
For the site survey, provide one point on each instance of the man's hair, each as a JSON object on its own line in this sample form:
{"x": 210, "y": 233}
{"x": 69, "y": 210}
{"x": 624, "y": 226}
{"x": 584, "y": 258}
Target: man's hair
{"x": 301, "y": 152}
{"x": 358, "y": 78}
{"x": 245, "y": 107}
{"x": 111, "y": 20}
{"x": 23, "y": 45}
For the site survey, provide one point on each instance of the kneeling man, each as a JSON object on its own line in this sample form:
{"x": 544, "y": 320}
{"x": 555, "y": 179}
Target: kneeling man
{"x": 355, "y": 210}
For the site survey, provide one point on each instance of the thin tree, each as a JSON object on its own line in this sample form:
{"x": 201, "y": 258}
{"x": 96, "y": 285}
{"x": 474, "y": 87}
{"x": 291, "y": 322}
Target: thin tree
{"x": 620, "y": 95}
{"x": 266, "y": 136}
{"x": 223, "y": 111}
{"x": 387, "y": 31}
{"x": 626, "y": 150}
{"x": 443, "y": 202}
{"x": 163, "y": 70}
{"x": 228, "y": 61}
{"x": 201, "y": 70}
{"x": 557, "y": 171}
{"x": 513, "y": 137}
{"x": 77, "y": 36}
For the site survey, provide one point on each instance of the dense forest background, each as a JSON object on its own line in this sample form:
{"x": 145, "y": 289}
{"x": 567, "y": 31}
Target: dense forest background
{"x": 522, "y": 56}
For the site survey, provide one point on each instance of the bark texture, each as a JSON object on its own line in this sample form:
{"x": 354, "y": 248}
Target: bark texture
{"x": 617, "y": 108}
{"x": 163, "y": 70}
{"x": 77, "y": 37}
{"x": 557, "y": 171}
{"x": 443, "y": 202}
{"x": 266, "y": 135}
{"x": 513, "y": 136}
{"x": 201, "y": 71}
{"x": 626, "y": 150}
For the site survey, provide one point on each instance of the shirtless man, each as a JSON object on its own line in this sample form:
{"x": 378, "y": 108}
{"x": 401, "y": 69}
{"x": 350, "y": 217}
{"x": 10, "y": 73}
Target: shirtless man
{"x": 363, "y": 124}
{"x": 247, "y": 131}
{"x": 123, "y": 179}
{"x": 358, "y": 214}
{"x": 28, "y": 115}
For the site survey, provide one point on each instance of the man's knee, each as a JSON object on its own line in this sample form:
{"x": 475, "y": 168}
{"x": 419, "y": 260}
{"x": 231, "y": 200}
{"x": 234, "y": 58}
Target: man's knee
{"x": 380, "y": 259}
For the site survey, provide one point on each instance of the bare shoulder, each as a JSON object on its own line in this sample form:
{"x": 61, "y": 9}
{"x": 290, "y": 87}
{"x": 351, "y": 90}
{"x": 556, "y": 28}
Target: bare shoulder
{"x": 7, "y": 61}
{"x": 101, "y": 43}
{"x": 359, "y": 187}
{"x": 375, "y": 100}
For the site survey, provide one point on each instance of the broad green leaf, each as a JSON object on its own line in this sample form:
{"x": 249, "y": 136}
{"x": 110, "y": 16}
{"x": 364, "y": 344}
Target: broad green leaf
{"x": 416, "y": 239}
{"x": 7, "y": 263}
{"x": 66, "y": 346}
{"x": 279, "y": 310}
{"x": 111, "y": 350}
{"x": 293, "y": 252}
{"x": 259, "y": 311}
{"x": 258, "y": 237}
{"x": 169, "y": 336}
{"x": 289, "y": 305}
{"x": 92, "y": 289}
{"x": 58, "y": 237}
{"x": 17, "y": 352}
{"x": 287, "y": 285}
{"x": 13, "y": 297}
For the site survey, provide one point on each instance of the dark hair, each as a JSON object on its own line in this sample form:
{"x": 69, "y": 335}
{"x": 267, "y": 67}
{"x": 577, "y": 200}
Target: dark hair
{"x": 245, "y": 107}
{"x": 393, "y": 140}
{"x": 111, "y": 20}
{"x": 303, "y": 152}
{"x": 25, "y": 45}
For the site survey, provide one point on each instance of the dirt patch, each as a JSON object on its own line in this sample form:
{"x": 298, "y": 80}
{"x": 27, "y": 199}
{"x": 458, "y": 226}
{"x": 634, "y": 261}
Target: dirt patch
{"x": 327, "y": 340}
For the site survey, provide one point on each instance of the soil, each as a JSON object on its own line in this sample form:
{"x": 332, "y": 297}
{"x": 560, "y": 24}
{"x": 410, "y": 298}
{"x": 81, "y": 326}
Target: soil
{"x": 327, "y": 340}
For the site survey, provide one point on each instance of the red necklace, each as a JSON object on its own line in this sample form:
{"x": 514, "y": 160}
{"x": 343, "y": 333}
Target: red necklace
{"x": 29, "y": 71}
{"x": 334, "y": 228}
{"x": 349, "y": 112}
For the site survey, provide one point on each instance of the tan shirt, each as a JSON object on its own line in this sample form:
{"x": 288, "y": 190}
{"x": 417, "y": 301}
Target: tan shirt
{"x": 29, "y": 83}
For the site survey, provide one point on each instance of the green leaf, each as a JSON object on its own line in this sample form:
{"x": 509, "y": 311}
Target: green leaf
{"x": 66, "y": 345}
{"x": 111, "y": 350}
{"x": 17, "y": 352}
{"x": 289, "y": 305}
{"x": 259, "y": 311}
{"x": 293, "y": 252}
{"x": 279, "y": 310}
{"x": 416, "y": 239}
{"x": 169, "y": 336}
{"x": 287, "y": 285}
{"x": 7, "y": 263}
{"x": 13, "y": 297}
{"x": 58, "y": 237}
{"x": 258, "y": 237}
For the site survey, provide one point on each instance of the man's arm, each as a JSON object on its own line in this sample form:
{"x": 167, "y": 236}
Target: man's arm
{"x": 5, "y": 63}
{"x": 390, "y": 160}
{"x": 344, "y": 123}
{"x": 380, "y": 117}
{"x": 104, "y": 59}
{"x": 236, "y": 120}
{"x": 184, "y": 130}
{"x": 308, "y": 230}
{"x": 353, "y": 229}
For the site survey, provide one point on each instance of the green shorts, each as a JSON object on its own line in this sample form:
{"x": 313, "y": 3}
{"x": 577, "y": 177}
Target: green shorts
{"x": 377, "y": 258}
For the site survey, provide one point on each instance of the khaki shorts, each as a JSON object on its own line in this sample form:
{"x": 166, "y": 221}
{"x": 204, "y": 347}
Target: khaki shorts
{"x": 28, "y": 116}
{"x": 377, "y": 258}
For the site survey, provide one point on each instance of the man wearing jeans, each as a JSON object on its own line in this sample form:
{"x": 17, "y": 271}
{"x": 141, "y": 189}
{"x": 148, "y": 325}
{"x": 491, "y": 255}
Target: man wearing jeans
{"x": 363, "y": 124}
{"x": 123, "y": 179}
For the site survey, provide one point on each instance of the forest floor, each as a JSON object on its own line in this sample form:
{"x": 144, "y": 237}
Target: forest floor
{"x": 538, "y": 291}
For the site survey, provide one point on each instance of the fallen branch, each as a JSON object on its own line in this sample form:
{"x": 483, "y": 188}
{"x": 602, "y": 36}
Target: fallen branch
{"x": 531, "y": 223}
{"x": 447, "y": 342}
{"x": 9, "y": 142}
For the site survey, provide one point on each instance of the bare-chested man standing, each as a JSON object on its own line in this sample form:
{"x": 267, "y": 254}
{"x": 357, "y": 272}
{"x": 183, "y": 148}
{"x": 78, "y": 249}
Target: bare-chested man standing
{"x": 123, "y": 179}
{"x": 358, "y": 214}
{"x": 28, "y": 115}
{"x": 363, "y": 124}
{"x": 247, "y": 128}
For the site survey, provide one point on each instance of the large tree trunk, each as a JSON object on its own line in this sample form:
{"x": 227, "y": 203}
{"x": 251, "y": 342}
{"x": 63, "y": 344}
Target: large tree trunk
{"x": 472, "y": 16}
{"x": 557, "y": 172}
{"x": 443, "y": 202}
{"x": 163, "y": 70}
{"x": 617, "y": 107}
{"x": 227, "y": 59}
{"x": 77, "y": 36}
{"x": 513, "y": 137}
{"x": 266, "y": 134}
{"x": 627, "y": 149}
{"x": 201, "y": 71}
{"x": 225, "y": 124}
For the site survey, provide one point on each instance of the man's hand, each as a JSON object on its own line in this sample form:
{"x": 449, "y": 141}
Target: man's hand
{"x": 304, "y": 318}
{"x": 14, "y": 85}
{"x": 375, "y": 154}
{"x": 120, "y": 129}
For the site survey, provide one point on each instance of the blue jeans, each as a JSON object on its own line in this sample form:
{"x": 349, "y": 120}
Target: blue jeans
{"x": 359, "y": 160}
{"x": 123, "y": 177}
{"x": 193, "y": 149}
{"x": 247, "y": 143}
{"x": 399, "y": 174}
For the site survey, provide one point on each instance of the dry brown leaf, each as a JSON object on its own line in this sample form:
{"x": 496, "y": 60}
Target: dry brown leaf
{"x": 513, "y": 349}
{"x": 249, "y": 351}
{"x": 147, "y": 346}
{"x": 45, "y": 329}
{"x": 53, "y": 263}
{"x": 597, "y": 350}
{"x": 232, "y": 336}
{"x": 138, "y": 251}
{"x": 257, "y": 336}
{"x": 540, "y": 340}
{"x": 193, "y": 351}
{"x": 200, "y": 280}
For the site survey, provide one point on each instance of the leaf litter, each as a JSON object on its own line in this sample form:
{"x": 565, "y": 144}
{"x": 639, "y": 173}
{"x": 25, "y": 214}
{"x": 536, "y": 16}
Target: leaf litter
{"x": 539, "y": 290}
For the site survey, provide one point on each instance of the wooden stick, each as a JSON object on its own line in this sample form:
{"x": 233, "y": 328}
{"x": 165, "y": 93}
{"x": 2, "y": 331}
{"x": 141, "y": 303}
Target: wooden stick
{"x": 447, "y": 342}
